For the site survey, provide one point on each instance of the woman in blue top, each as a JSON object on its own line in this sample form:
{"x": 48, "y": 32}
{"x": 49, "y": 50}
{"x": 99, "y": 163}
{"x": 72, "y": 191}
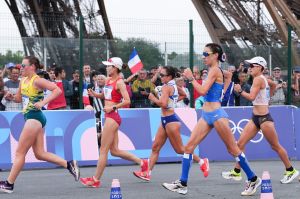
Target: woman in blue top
{"x": 213, "y": 116}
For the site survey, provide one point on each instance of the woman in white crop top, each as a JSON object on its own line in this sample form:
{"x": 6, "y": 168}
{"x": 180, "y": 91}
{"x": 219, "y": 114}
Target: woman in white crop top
{"x": 169, "y": 128}
{"x": 261, "y": 118}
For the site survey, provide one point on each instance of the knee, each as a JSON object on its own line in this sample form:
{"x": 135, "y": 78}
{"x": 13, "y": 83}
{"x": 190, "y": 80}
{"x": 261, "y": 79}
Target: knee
{"x": 114, "y": 152}
{"x": 20, "y": 154}
{"x": 155, "y": 148}
{"x": 233, "y": 150}
{"x": 276, "y": 147}
{"x": 179, "y": 150}
{"x": 188, "y": 149}
{"x": 39, "y": 155}
{"x": 241, "y": 145}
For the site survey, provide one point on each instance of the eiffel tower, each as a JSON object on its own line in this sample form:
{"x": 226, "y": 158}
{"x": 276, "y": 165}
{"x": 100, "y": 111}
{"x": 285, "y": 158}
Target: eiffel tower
{"x": 58, "y": 19}
{"x": 251, "y": 22}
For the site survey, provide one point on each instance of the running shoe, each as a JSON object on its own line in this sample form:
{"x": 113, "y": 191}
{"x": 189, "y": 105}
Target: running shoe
{"x": 145, "y": 165}
{"x": 176, "y": 187}
{"x": 232, "y": 175}
{"x": 205, "y": 167}
{"x": 289, "y": 176}
{"x": 142, "y": 175}
{"x": 73, "y": 169}
{"x": 251, "y": 187}
{"x": 90, "y": 182}
{"x": 6, "y": 187}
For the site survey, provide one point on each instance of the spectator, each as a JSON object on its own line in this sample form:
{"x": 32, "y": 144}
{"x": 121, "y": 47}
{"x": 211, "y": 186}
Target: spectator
{"x": 2, "y": 107}
{"x": 93, "y": 85}
{"x": 197, "y": 76}
{"x": 296, "y": 86}
{"x": 10, "y": 90}
{"x": 141, "y": 88}
{"x": 45, "y": 75}
{"x": 67, "y": 88}
{"x": 240, "y": 100}
{"x": 59, "y": 102}
{"x": 74, "y": 99}
{"x": 234, "y": 72}
{"x": 228, "y": 95}
{"x": 186, "y": 101}
{"x": 128, "y": 88}
{"x": 155, "y": 79}
{"x": 87, "y": 73}
{"x": 279, "y": 96}
{"x": 51, "y": 73}
{"x": 7, "y": 69}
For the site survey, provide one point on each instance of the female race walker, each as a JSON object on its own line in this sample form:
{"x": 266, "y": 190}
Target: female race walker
{"x": 31, "y": 93}
{"x": 116, "y": 96}
{"x": 212, "y": 116}
{"x": 170, "y": 125}
{"x": 261, "y": 120}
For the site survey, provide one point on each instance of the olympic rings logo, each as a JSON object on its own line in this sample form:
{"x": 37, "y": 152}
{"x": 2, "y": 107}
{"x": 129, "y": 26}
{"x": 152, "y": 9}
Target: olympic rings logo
{"x": 238, "y": 128}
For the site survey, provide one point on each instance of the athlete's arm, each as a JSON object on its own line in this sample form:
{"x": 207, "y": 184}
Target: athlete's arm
{"x": 18, "y": 96}
{"x": 122, "y": 88}
{"x": 92, "y": 93}
{"x": 181, "y": 93}
{"x": 272, "y": 85}
{"x": 44, "y": 84}
{"x": 211, "y": 78}
{"x": 163, "y": 100}
{"x": 256, "y": 86}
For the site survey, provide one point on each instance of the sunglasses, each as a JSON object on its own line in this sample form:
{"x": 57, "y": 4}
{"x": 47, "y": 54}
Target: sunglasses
{"x": 163, "y": 75}
{"x": 254, "y": 65}
{"x": 23, "y": 65}
{"x": 206, "y": 54}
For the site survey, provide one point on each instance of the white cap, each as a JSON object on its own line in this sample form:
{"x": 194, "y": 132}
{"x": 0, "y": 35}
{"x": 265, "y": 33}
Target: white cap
{"x": 114, "y": 61}
{"x": 257, "y": 60}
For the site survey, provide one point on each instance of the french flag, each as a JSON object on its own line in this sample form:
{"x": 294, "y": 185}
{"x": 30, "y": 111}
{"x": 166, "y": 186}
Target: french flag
{"x": 135, "y": 64}
{"x": 85, "y": 96}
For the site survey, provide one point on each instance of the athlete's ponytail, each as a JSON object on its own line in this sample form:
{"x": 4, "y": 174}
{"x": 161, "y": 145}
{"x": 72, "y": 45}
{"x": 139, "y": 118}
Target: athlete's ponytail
{"x": 34, "y": 61}
{"x": 216, "y": 48}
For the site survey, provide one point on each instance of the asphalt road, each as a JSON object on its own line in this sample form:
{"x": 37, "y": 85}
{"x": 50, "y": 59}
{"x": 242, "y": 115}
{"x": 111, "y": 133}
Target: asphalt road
{"x": 59, "y": 184}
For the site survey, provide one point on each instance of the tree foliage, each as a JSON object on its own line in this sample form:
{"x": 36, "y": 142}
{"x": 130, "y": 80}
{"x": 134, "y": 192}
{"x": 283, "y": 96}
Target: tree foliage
{"x": 148, "y": 51}
{"x": 9, "y": 56}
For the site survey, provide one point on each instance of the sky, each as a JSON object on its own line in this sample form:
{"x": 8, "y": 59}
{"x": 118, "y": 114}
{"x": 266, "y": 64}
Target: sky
{"x": 156, "y": 20}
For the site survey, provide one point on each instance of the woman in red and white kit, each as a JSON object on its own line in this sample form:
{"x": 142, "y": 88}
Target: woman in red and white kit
{"x": 116, "y": 96}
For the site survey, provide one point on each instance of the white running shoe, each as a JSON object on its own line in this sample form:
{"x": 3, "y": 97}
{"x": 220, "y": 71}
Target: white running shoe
{"x": 289, "y": 176}
{"x": 232, "y": 175}
{"x": 176, "y": 187}
{"x": 251, "y": 187}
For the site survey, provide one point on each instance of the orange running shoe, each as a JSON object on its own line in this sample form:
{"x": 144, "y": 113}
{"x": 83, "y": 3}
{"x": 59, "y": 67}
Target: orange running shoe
{"x": 90, "y": 182}
{"x": 205, "y": 167}
{"x": 142, "y": 175}
{"x": 145, "y": 165}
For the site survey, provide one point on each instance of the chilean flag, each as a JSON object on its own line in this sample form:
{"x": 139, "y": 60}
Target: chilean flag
{"x": 134, "y": 63}
{"x": 85, "y": 96}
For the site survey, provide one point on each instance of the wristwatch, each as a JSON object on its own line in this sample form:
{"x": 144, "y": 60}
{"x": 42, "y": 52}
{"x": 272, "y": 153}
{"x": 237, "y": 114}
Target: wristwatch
{"x": 114, "y": 108}
{"x": 240, "y": 92}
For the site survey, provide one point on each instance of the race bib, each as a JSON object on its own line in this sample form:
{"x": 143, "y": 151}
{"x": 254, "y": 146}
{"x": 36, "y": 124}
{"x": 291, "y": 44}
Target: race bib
{"x": 25, "y": 101}
{"x": 107, "y": 92}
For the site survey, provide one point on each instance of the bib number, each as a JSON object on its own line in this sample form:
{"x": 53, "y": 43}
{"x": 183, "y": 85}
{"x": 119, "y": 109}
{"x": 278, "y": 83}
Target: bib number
{"x": 25, "y": 101}
{"x": 107, "y": 92}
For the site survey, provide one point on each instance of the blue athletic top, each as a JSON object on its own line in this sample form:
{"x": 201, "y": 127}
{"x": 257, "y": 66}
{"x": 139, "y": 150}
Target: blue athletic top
{"x": 215, "y": 92}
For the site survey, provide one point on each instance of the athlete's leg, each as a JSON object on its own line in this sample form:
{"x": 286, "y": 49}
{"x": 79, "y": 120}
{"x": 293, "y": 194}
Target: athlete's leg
{"x": 115, "y": 151}
{"x": 271, "y": 136}
{"x": 41, "y": 154}
{"x": 28, "y": 137}
{"x": 159, "y": 141}
{"x": 110, "y": 130}
{"x": 199, "y": 132}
